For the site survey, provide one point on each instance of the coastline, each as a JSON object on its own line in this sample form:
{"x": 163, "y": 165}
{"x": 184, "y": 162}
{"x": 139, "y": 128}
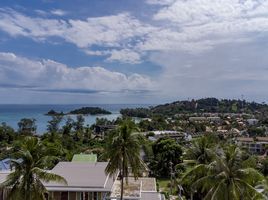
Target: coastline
{"x": 12, "y": 113}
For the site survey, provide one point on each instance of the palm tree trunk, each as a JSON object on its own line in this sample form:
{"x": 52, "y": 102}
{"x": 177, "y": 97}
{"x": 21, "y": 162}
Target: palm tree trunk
{"x": 122, "y": 180}
{"x": 122, "y": 188}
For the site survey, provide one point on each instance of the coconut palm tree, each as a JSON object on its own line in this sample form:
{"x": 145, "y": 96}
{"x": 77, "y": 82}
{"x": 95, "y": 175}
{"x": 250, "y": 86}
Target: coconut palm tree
{"x": 225, "y": 177}
{"x": 123, "y": 152}
{"x": 201, "y": 150}
{"x": 26, "y": 181}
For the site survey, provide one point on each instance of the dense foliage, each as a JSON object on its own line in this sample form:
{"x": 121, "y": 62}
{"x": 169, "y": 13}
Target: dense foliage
{"x": 166, "y": 154}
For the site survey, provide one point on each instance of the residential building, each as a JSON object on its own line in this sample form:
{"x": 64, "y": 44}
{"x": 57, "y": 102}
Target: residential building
{"x": 85, "y": 181}
{"x": 252, "y": 122}
{"x": 88, "y": 181}
{"x": 254, "y": 145}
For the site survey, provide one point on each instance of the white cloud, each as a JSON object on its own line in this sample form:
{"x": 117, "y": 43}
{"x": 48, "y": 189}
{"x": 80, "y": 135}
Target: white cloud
{"x": 51, "y": 75}
{"x": 97, "y": 53}
{"x": 108, "y": 31}
{"x": 202, "y": 11}
{"x": 160, "y": 2}
{"x": 41, "y": 12}
{"x": 193, "y": 26}
{"x": 116, "y": 31}
{"x": 17, "y": 24}
{"x": 58, "y": 12}
{"x": 125, "y": 55}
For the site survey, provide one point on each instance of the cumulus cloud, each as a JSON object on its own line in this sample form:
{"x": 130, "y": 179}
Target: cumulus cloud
{"x": 48, "y": 75}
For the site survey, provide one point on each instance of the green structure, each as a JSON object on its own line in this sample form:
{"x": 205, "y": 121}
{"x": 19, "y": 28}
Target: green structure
{"x": 91, "y": 158}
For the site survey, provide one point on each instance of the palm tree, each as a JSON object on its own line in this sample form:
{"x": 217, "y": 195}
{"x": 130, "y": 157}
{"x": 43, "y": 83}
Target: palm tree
{"x": 123, "y": 152}
{"x": 26, "y": 181}
{"x": 201, "y": 150}
{"x": 225, "y": 177}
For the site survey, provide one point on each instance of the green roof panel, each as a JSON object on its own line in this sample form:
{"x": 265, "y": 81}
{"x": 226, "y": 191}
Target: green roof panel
{"x": 85, "y": 158}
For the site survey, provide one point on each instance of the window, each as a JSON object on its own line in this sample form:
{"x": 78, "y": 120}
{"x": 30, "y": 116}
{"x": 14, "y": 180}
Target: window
{"x": 64, "y": 196}
{"x": 81, "y": 196}
{"x": 95, "y": 196}
{"x": 90, "y": 195}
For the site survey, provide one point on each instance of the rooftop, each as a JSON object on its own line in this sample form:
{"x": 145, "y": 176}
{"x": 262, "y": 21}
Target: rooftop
{"x": 83, "y": 175}
{"x": 142, "y": 188}
{"x": 85, "y": 158}
{"x": 251, "y": 139}
{"x": 5, "y": 164}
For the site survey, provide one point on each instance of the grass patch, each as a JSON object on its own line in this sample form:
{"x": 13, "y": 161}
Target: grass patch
{"x": 163, "y": 184}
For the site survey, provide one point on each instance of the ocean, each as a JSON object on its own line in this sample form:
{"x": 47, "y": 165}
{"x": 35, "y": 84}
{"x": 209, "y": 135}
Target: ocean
{"x": 11, "y": 114}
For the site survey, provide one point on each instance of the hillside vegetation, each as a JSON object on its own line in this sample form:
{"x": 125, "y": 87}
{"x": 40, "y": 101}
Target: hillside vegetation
{"x": 212, "y": 105}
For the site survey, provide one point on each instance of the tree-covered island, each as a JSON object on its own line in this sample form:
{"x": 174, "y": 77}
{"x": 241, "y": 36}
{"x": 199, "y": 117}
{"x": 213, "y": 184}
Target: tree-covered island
{"x": 81, "y": 111}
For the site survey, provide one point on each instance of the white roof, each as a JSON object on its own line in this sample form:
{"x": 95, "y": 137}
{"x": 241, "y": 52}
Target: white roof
{"x": 81, "y": 175}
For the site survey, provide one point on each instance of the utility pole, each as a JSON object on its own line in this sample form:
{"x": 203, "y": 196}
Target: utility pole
{"x": 171, "y": 176}
{"x": 242, "y": 101}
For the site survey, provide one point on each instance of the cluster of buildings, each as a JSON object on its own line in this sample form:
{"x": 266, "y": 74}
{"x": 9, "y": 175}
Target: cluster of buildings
{"x": 87, "y": 180}
{"x": 231, "y": 125}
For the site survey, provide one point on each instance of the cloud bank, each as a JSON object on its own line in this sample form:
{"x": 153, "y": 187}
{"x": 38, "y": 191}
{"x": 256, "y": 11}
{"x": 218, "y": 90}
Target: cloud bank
{"x": 48, "y": 75}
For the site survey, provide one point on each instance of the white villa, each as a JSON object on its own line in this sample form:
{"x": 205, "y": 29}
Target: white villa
{"x": 88, "y": 181}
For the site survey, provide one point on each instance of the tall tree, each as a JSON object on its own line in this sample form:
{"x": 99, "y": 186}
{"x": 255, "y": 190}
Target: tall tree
{"x": 25, "y": 182}
{"x": 54, "y": 124}
{"x": 123, "y": 152}
{"x": 79, "y": 127}
{"x": 166, "y": 151}
{"x": 201, "y": 150}
{"x": 27, "y": 126}
{"x": 67, "y": 127}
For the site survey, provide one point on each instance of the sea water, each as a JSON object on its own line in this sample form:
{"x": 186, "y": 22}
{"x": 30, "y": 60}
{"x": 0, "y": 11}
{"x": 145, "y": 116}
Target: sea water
{"x": 12, "y": 114}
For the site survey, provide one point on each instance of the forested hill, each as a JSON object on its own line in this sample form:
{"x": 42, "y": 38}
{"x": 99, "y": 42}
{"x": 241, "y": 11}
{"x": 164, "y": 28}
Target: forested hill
{"x": 201, "y": 105}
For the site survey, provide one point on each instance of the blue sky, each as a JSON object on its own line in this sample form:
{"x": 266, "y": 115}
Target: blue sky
{"x": 132, "y": 51}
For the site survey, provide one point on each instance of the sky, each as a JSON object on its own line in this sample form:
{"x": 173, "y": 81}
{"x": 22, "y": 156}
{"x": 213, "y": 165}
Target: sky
{"x": 132, "y": 51}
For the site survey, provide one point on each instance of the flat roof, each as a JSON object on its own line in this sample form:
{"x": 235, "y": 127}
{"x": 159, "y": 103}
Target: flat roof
{"x": 251, "y": 139}
{"x": 150, "y": 196}
{"x": 135, "y": 189}
{"x": 81, "y": 175}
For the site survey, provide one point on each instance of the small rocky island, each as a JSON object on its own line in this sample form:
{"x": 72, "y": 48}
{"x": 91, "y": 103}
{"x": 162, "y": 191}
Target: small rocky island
{"x": 54, "y": 113}
{"x": 81, "y": 111}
